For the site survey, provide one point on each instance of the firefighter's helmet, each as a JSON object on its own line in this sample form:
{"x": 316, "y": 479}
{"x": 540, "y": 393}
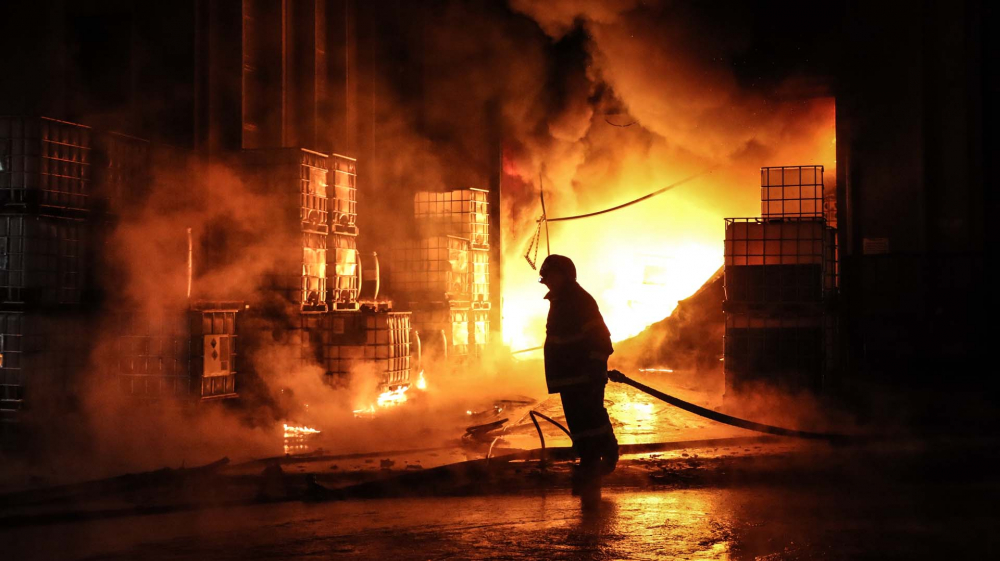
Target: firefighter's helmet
{"x": 559, "y": 264}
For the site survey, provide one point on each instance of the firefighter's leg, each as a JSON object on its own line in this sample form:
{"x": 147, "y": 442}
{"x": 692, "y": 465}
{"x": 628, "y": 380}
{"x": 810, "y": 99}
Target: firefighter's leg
{"x": 588, "y": 422}
{"x": 593, "y": 421}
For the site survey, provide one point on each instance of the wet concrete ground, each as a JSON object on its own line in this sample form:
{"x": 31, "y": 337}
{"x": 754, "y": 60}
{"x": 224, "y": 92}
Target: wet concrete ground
{"x": 774, "y": 499}
{"x": 754, "y": 522}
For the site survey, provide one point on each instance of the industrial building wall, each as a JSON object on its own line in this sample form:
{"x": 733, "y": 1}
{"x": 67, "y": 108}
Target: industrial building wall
{"x": 127, "y": 66}
{"x": 910, "y": 155}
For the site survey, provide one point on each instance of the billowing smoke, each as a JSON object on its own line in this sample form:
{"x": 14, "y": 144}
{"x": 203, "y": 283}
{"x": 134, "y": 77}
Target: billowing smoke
{"x": 598, "y": 103}
{"x": 595, "y": 102}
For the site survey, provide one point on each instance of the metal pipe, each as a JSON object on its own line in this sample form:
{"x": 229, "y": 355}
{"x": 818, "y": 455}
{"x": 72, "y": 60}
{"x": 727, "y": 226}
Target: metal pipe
{"x": 190, "y": 263}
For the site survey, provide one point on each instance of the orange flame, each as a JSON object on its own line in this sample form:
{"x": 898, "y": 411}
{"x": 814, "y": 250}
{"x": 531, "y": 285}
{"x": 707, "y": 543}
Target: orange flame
{"x": 292, "y": 431}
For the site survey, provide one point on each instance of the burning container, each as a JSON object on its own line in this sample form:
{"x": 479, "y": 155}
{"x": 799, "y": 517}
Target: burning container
{"x": 41, "y": 260}
{"x": 44, "y": 164}
{"x": 344, "y": 195}
{"x": 463, "y": 213}
{"x": 370, "y": 276}
{"x": 479, "y": 332}
{"x": 189, "y": 355}
{"x": 444, "y": 330}
{"x": 298, "y": 177}
{"x": 295, "y": 176}
{"x": 299, "y": 276}
{"x": 479, "y": 276}
{"x": 434, "y": 269}
{"x": 367, "y": 341}
{"x": 344, "y": 272}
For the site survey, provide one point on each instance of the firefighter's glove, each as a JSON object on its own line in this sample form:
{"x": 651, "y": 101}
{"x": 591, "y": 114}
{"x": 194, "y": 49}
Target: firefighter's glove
{"x": 616, "y": 376}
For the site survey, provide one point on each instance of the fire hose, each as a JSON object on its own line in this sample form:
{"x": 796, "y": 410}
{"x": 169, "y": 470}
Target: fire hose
{"x": 617, "y": 376}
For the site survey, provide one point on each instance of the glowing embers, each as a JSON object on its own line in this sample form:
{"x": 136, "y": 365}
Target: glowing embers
{"x": 391, "y": 398}
{"x": 388, "y": 398}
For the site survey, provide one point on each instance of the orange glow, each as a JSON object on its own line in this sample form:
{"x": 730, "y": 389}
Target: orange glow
{"x": 297, "y": 432}
{"x": 392, "y": 397}
{"x": 388, "y": 398}
{"x": 638, "y": 262}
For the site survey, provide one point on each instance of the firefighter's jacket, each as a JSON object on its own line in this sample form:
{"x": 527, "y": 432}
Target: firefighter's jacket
{"x": 577, "y": 342}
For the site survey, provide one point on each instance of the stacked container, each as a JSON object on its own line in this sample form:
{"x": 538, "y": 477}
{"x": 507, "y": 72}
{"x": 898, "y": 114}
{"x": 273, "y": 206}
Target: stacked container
{"x": 463, "y": 213}
{"x": 45, "y": 200}
{"x": 38, "y": 354}
{"x": 781, "y": 282}
{"x": 44, "y": 165}
{"x": 331, "y": 330}
{"x": 344, "y": 271}
{"x": 444, "y": 275}
{"x": 190, "y": 355}
{"x": 122, "y": 170}
{"x": 432, "y": 269}
{"x": 377, "y": 341}
{"x": 296, "y": 179}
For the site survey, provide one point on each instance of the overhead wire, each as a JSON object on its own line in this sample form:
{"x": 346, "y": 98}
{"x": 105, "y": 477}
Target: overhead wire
{"x": 630, "y": 203}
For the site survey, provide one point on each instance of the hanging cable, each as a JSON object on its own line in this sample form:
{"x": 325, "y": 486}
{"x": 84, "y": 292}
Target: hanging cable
{"x": 630, "y": 203}
{"x": 534, "y": 243}
{"x": 541, "y": 194}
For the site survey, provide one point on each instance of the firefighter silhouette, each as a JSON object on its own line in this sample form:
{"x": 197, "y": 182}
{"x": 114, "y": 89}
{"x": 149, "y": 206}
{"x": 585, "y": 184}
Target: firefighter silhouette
{"x": 577, "y": 347}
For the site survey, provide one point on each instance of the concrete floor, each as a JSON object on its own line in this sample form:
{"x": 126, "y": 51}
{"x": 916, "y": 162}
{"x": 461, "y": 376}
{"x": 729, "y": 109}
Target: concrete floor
{"x": 780, "y": 499}
{"x": 757, "y": 522}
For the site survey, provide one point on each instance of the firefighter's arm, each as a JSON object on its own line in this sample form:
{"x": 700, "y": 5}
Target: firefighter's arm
{"x": 599, "y": 339}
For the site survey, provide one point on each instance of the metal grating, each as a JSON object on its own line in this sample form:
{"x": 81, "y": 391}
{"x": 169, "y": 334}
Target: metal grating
{"x": 344, "y": 195}
{"x": 122, "y": 169}
{"x": 463, "y": 213}
{"x": 791, "y": 192}
{"x": 41, "y": 260}
{"x": 791, "y": 261}
{"x": 384, "y": 350}
{"x": 44, "y": 162}
{"x": 343, "y": 276}
{"x": 299, "y": 174}
{"x": 41, "y": 352}
{"x": 790, "y": 351}
{"x": 179, "y": 357}
{"x": 431, "y": 269}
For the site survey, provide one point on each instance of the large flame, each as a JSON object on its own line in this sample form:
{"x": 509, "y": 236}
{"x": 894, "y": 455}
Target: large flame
{"x": 638, "y": 262}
